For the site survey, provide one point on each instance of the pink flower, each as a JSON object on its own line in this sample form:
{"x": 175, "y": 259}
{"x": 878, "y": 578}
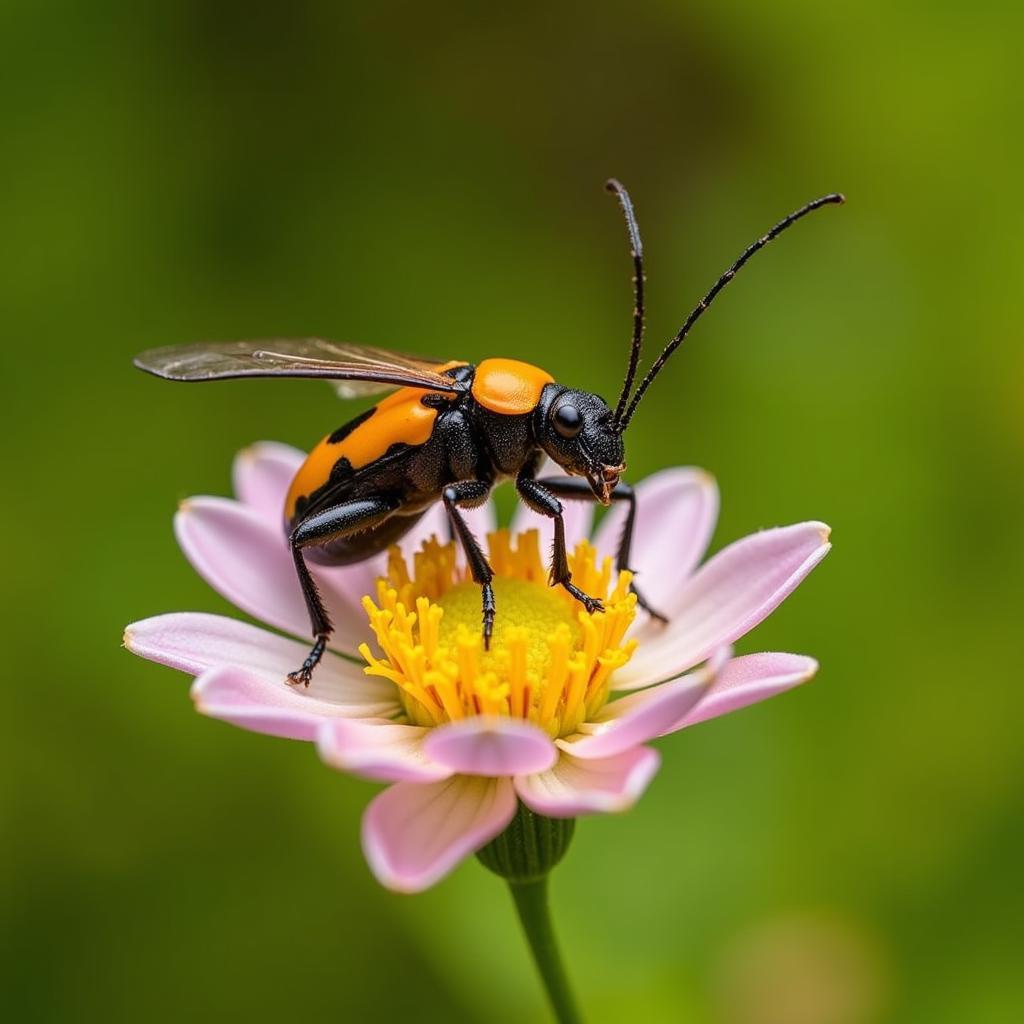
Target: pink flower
{"x": 455, "y": 778}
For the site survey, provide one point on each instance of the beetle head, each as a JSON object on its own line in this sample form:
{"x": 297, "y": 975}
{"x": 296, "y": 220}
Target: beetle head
{"x": 577, "y": 429}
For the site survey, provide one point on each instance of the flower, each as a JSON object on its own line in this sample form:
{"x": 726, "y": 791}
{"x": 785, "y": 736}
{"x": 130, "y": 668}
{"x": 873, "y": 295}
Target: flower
{"x": 461, "y": 734}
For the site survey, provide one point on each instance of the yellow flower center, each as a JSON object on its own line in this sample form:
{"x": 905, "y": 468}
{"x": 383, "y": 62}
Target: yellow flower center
{"x": 549, "y": 660}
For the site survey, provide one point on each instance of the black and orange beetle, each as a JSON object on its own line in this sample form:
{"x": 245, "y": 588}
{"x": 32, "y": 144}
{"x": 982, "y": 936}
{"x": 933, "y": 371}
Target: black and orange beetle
{"x": 450, "y": 432}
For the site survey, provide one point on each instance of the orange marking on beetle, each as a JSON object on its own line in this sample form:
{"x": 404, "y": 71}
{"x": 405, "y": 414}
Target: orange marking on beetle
{"x": 400, "y": 418}
{"x": 508, "y": 386}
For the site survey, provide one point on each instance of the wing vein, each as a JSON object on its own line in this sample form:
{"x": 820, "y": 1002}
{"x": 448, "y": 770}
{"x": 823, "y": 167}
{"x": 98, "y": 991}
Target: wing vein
{"x": 359, "y": 369}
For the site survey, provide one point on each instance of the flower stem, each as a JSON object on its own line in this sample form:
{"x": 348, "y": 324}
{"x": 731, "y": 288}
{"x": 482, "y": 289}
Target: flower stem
{"x": 531, "y": 900}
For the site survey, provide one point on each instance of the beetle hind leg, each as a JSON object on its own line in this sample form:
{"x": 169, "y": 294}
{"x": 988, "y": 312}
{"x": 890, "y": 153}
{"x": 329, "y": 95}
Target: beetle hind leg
{"x": 314, "y": 531}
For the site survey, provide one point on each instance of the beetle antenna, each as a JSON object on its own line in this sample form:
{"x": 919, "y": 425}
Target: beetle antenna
{"x": 695, "y": 315}
{"x": 636, "y": 248}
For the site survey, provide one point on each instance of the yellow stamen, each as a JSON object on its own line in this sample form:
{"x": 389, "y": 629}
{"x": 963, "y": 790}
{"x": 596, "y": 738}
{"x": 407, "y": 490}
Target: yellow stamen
{"x": 549, "y": 661}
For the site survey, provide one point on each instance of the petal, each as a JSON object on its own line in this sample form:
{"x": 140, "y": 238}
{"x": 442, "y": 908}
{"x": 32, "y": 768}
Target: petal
{"x": 262, "y": 474}
{"x": 726, "y": 598}
{"x": 250, "y": 700}
{"x": 378, "y": 749}
{"x": 255, "y": 695}
{"x": 195, "y": 642}
{"x": 415, "y": 833}
{"x": 676, "y": 512}
{"x": 578, "y": 517}
{"x": 633, "y": 720}
{"x": 747, "y": 680}
{"x": 489, "y": 745}
{"x": 584, "y": 786}
{"x": 245, "y": 558}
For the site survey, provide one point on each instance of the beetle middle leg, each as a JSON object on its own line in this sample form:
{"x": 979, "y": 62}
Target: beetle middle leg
{"x": 575, "y": 488}
{"x": 472, "y": 494}
{"x": 321, "y": 528}
{"x": 540, "y": 498}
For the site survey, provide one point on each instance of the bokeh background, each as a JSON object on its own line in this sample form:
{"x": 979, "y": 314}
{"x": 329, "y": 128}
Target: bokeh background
{"x": 429, "y": 177}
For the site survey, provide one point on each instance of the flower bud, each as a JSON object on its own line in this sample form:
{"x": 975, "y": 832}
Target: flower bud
{"x": 529, "y": 848}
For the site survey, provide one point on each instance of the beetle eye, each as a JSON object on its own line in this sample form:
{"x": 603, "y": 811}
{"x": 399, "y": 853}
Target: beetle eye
{"x": 567, "y": 420}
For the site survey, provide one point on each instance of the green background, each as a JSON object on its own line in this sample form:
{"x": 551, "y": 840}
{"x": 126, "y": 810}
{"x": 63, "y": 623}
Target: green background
{"x": 429, "y": 177}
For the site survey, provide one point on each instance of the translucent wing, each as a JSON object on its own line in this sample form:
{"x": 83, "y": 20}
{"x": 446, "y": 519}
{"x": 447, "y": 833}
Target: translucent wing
{"x": 357, "y": 369}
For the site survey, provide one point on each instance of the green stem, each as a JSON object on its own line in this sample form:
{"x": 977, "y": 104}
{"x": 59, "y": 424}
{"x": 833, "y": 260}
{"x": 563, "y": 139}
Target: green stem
{"x": 532, "y": 905}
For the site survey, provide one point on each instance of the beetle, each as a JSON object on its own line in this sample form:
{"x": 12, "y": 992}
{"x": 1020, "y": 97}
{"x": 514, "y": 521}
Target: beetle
{"x": 449, "y": 433}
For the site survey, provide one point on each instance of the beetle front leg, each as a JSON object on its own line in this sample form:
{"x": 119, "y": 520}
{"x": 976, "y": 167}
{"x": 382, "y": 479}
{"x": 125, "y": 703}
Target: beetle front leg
{"x": 541, "y": 500}
{"x": 575, "y": 489}
{"x": 321, "y": 528}
{"x": 472, "y": 494}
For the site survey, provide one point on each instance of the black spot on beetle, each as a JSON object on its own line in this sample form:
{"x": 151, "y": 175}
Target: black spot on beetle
{"x": 340, "y": 471}
{"x": 343, "y": 431}
{"x": 398, "y": 448}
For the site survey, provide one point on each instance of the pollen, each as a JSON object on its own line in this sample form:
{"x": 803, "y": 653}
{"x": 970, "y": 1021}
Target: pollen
{"x": 549, "y": 661}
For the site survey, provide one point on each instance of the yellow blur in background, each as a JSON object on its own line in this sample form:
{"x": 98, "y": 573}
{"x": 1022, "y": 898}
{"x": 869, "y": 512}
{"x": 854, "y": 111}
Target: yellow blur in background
{"x": 429, "y": 177}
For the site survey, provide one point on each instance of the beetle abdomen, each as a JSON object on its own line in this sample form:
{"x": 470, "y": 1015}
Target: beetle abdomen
{"x": 400, "y": 419}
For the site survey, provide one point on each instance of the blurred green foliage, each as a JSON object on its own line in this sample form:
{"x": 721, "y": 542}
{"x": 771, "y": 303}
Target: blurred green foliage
{"x": 429, "y": 177}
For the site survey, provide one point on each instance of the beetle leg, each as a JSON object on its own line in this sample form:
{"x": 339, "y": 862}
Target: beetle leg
{"x": 576, "y": 488}
{"x": 471, "y": 494}
{"x": 542, "y": 500}
{"x": 321, "y": 528}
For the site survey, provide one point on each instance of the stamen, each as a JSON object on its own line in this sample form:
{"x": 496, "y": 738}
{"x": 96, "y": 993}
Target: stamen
{"x": 549, "y": 661}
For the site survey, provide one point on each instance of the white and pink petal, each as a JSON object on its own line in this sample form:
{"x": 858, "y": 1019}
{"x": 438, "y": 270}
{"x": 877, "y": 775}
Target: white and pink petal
{"x": 379, "y": 750}
{"x": 726, "y": 598}
{"x": 254, "y": 692}
{"x": 251, "y": 700}
{"x": 245, "y": 558}
{"x": 576, "y": 785}
{"x": 676, "y": 514}
{"x": 491, "y": 746}
{"x": 631, "y": 721}
{"x": 194, "y": 642}
{"x": 262, "y": 474}
{"x": 415, "y": 833}
{"x": 747, "y": 680}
